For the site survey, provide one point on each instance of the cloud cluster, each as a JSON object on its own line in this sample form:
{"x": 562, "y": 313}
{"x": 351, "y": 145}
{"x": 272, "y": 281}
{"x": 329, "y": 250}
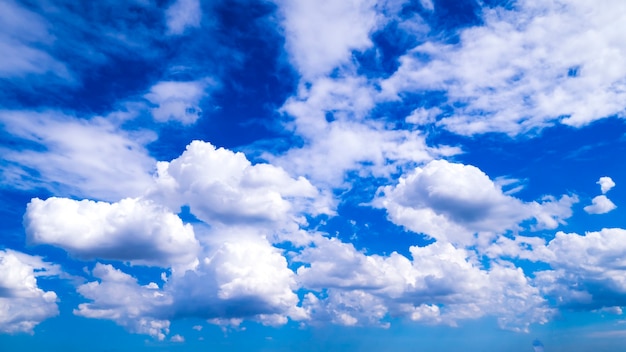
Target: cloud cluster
{"x": 522, "y": 70}
{"x": 461, "y": 204}
{"x": 441, "y": 284}
{"x": 528, "y": 66}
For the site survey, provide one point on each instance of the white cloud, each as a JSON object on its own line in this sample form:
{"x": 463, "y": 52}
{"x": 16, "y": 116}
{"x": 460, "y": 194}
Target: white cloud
{"x": 459, "y": 203}
{"x": 332, "y": 118}
{"x": 23, "y": 304}
{"x": 117, "y": 296}
{"x": 23, "y": 33}
{"x": 177, "y": 101}
{"x": 423, "y": 116}
{"x": 588, "y": 270}
{"x": 606, "y": 184}
{"x": 177, "y": 338}
{"x": 221, "y": 186}
{"x": 530, "y": 66}
{"x": 130, "y": 230}
{"x": 440, "y": 285}
{"x": 182, "y": 15}
{"x": 321, "y": 35}
{"x": 71, "y": 156}
{"x": 241, "y": 276}
{"x": 600, "y": 205}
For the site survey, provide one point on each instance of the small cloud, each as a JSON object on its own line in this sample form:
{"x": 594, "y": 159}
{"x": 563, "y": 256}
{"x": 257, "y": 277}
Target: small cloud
{"x": 197, "y": 327}
{"x": 606, "y": 183}
{"x": 600, "y": 205}
{"x": 183, "y": 14}
{"x": 177, "y": 338}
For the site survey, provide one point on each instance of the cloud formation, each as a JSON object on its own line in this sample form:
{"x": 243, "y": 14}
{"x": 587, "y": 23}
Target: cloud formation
{"x": 461, "y": 204}
{"x": 523, "y": 69}
{"x": 132, "y": 230}
{"x": 23, "y": 304}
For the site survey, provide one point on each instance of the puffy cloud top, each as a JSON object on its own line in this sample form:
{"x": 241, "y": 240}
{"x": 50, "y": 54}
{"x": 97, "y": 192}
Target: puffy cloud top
{"x": 133, "y": 230}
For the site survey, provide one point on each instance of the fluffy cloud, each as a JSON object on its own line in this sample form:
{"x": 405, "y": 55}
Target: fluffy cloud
{"x": 221, "y": 186}
{"x": 312, "y": 27}
{"x": 117, "y": 296}
{"x": 600, "y": 205}
{"x": 130, "y": 230}
{"x": 81, "y": 157}
{"x": 606, "y": 184}
{"x": 332, "y": 117}
{"x": 241, "y": 276}
{"x": 440, "y": 285}
{"x": 23, "y": 304}
{"x": 527, "y": 67}
{"x": 178, "y": 101}
{"x": 456, "y": 202}
{"x": 182, "y": 15}
{"x": 588, "y": 270}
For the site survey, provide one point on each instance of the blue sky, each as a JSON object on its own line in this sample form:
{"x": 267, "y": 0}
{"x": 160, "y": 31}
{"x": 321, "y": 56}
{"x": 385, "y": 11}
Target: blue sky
{"x": 366, "y": 175}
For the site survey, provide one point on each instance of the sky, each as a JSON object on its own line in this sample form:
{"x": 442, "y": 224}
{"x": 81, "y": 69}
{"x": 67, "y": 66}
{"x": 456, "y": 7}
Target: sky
{"x": 279, "y": 175}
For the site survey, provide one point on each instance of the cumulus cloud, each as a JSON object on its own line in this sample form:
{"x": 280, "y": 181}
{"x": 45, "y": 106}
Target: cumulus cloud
{"x": 117, "y": 296}
{"x": 455, "y": 202}
{"x": 221, "y": 186}
{"x": 441, "y": 284}
{"x": 528, "y": 66}
{"x": 81, "y": 157}
{"x": 588, "y": 270}
{"x": 130, "y": 230}
{"x": 23, "y": 304}
{"x": 177, "y": 101}
{"x": 241, "y": 276}
{"x": 606, "y": 184}
{"x": 600, "y": 205}
{"x": 182, "y": 15}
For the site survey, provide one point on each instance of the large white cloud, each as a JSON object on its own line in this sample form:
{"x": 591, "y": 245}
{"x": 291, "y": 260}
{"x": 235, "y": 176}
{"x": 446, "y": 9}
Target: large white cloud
{"x": 130, "y": 230}
{"x": 23, "y": 304}
{"x": 441, "y": 284}
{"x": 588, "y": 270}
{"x": 528, "y": 66}
{"x": 81, "y": 157}
{"x": 240, "y": 276}
{"x": 455, "y": 202}
{"x": 221, "y": 186}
